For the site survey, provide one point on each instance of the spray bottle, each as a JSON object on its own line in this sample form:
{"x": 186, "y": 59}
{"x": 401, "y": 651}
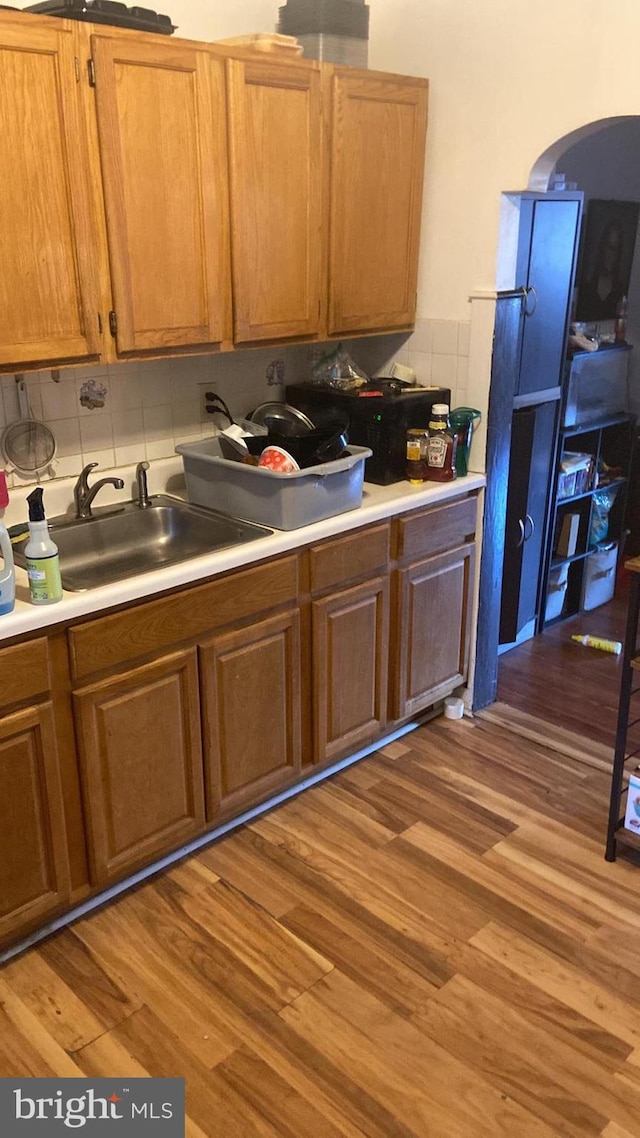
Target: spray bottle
{"x": 43, "y": 562}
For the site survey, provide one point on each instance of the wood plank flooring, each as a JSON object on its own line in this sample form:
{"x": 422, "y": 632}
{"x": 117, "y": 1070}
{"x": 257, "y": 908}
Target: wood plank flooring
{"x": 429, "y": 945}
{"x": 557, "y": 680}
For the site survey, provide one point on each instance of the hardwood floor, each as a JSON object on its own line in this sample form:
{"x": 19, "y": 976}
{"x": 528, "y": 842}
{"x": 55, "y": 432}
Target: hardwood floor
{"x": 558, "y": 680}
{"x": 430, "y": 944}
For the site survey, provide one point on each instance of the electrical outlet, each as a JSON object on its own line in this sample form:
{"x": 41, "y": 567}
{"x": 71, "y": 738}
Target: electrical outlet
{"x": 206, "y": 389}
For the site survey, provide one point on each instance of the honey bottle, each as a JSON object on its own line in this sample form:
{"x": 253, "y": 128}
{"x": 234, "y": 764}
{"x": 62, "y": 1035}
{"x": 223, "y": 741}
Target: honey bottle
{"x": 416, "y": 468}
{"x": 441, "y": 446}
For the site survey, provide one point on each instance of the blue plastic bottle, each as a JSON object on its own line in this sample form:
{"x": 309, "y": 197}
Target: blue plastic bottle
{"x": 7, "y": 574}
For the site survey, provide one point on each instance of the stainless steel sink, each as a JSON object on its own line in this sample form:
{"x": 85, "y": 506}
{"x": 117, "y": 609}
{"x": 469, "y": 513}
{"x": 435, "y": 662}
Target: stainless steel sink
{"x": 118, "y": 544}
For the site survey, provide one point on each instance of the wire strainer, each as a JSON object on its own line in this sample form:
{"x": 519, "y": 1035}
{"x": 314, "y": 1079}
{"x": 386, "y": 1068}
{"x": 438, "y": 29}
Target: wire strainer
{"x": 28, "y": 445}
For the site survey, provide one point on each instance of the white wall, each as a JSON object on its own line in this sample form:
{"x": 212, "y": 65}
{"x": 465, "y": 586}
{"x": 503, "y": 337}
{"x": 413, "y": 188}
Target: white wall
{"x": 213, "y": 20}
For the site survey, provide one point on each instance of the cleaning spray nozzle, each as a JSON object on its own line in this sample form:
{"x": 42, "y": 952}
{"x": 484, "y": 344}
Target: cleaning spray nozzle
{"x": 36, "y": 505}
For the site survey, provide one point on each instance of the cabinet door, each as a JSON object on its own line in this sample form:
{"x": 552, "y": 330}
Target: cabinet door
{"x": 275, "y": 124}
{"x": 531, "y": 468}
{"x": 141, "y": 763}
{"x": 48, "y": 303}
{"x": 34, "y": 867}
{"x": 377, "y": 161}
{"x": 432, "y": 625}
{"x": 546, "y": 264}
{"x": 161, "y": 127}
{"x": 251, "y": 708}
{"x": 350, "y": 632}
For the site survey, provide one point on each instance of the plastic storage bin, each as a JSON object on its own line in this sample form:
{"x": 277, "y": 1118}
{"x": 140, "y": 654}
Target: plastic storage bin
{"x": 556, "y": 591}
{"x": 598, "y": 385}
{"x": 282, "y": 501}
{"x": 599, "y": 578}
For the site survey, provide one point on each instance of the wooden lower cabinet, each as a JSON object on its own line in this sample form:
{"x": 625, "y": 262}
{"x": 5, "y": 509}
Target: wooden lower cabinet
{"x": 251, "y": 702}
{"x": 316, "y": 654}
{"x": 141, "y": 763}
{"x": 350, "y": 640}
{"x": 431, "y": 630}
{"x": 34, "y": 866}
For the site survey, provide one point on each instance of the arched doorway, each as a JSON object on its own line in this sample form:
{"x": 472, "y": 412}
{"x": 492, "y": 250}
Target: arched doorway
{"x": 603, "y": 157}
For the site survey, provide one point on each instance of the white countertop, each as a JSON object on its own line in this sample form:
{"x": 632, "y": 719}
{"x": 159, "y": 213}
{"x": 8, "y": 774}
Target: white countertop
{"x": 379, "y": 502}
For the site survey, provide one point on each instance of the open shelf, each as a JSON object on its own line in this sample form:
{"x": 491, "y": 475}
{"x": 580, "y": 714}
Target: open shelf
{"x": 589, "y": 493}
{"x": 571, "y": 580}
{"x": 557, "y": 562}
{"x": 626, "y": 837}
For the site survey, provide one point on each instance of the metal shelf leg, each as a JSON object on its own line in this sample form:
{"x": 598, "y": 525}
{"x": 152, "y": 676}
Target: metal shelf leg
{"x": 626, "y": 680}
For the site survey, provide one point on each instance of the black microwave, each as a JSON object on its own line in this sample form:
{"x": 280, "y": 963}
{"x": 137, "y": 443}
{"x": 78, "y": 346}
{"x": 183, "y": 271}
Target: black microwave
{"x": 379, "y": 414}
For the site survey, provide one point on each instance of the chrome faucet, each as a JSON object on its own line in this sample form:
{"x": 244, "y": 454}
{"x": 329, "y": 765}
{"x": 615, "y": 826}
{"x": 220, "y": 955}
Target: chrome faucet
{"x": 143, "y": 491}
{"x": 83, "y": 494}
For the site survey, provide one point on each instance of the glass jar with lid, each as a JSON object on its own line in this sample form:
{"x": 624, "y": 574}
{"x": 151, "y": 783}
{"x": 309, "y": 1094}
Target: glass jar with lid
{"x": 417, "y": 443}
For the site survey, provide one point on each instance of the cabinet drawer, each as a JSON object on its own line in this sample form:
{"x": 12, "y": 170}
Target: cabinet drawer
{"x": 347, "y": 558}
{"x": 434, "y": 530}
{"x": 184, "y": 616}
{"x": 24, "y": 672}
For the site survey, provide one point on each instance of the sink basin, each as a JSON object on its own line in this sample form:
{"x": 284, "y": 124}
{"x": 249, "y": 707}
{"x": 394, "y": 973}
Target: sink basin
{"x": 119, "y": 544}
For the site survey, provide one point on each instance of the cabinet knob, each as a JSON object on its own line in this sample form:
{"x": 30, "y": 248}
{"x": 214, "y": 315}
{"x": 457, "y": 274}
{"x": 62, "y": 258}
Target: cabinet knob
{"x": 530, "y": 293}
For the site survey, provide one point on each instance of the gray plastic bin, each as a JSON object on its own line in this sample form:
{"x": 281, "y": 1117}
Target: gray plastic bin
{"x": 282, "y": 501}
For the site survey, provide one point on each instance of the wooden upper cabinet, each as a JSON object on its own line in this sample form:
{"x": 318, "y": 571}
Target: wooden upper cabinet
{"x": 162, "y": 135}
{"x": 48, "y": 305}
{"x": 377, "y": 161}
{"x": 275, "y": 128}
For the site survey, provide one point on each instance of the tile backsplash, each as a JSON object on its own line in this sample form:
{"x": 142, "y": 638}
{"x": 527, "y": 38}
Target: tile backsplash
{"x": 437, "y": 350}
{"x": 120, "y": 414}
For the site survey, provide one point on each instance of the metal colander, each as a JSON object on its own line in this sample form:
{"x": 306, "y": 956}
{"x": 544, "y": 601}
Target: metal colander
{"x": 28, "y": 445}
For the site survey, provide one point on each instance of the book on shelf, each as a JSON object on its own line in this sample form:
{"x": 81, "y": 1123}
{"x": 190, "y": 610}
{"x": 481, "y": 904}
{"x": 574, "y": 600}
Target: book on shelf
{"x": 567, "y": 539}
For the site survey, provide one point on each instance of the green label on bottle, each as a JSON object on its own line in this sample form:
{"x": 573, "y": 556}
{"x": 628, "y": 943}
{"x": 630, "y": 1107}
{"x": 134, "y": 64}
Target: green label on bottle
{"x": 45, "y": 584}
